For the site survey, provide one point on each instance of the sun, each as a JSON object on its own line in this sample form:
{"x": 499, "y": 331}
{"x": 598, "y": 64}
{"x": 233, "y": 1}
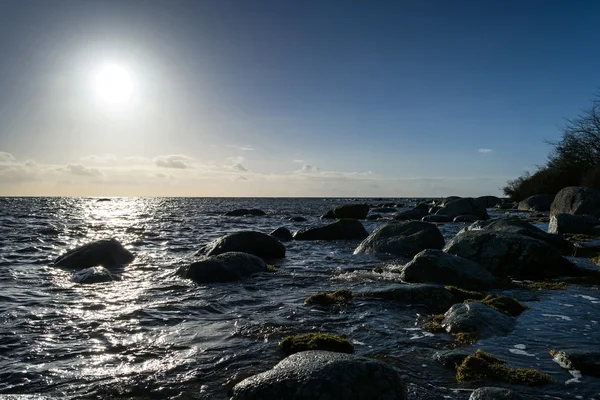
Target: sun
{"x": 113, "y": 84}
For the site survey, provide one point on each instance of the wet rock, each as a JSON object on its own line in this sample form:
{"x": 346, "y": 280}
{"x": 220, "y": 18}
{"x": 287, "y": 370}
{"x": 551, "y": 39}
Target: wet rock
{"x": 586, "y": 361}
{"x": 477, "y": 318}
{"x": 510, "y": 255}
{"x": 226, "y": 267}
{"x": 539, "y": 202}
{"x": 373, "y": 217}
{"x": 106, "y": 253}
{"x": 437, "y": 218}
{"x": 465, "y": 206}
{"x": 434, "y": 209}
{"x": 466, "y": 218}
{"x": 344, "y": 229}
{"x": 264, "y": 246}
{"x": 242, "y": 212}
{"x": 408, "y": 215}
{"x": 315, "y": 341}
{"x": 403, "y": 239}
{"x": 434, "y": 297}
{"x": 423, "y": 206}
{"x": 282, "y": 233}
{"x": 297, "y": 219}
{"x": 384, "y": 210}
{"x": 568, "y": 223}
{"x": 323, "y": 375}
{"x": 92, "y": 275}
{"x": 350, "y": 211}
{"x": 435, "y": 266}
{"x": 495, "y": 393}
{"x": 448, "y": 199}
{"x": 577, "y": 200}
{"x": 450, "y": 358}
{"x": 488, "y": 201}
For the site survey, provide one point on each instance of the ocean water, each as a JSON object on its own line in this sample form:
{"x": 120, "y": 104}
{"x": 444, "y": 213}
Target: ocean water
{"x": 153, "y": 335}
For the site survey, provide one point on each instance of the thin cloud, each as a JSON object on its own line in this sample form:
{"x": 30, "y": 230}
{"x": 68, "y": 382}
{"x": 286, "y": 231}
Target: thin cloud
{"x": 243, "y": 148}
{"x": 78, "y": 169}
{"x": 99, "y": 158}
{"x": 309, "y": 168}
{"x": 298, "y": 161}
{"x": 239, "y": 167}
{"x": 176, "y": 161}
{"x": 485, "y": 151}
{"x": 6, "y": 157}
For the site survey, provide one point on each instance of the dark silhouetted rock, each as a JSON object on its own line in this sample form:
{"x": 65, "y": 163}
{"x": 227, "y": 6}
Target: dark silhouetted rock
{"x": 586, "y": 361}
{"x": 413, "y": 214}
{"x": 297, "y": 219}
{"x": 507, "y": 206}
{"x": 464, "y": 206}
{"x": 539, "y": 202}
{"x": 226, "y": 267}
{"x": 384, "y": 210}
{"x": 282, "y": 233}
{"x": 316, "y": 374}
{"x": 403, "y": 239}
{"x": 495, "y": 393}
{"x": 348, "y": 211}
{"x": 242, "y": 212}
{"x": 92, "y": 275}
{"x": 434, "y": 209}
{"x": 257, "y": 243}
{"x": 488, "y": 201}
{"x": 434, "y": 297}
{"x": 568, "y": 223}
{"x": 373, "y": 217}
{"x": 106, "y": 253}
{"x": 577, "y": 200}
{"x": 437, "y": 218}
{"x": 466, "y": 218}
{"x": 435, "y": 266}
{"x": 477, "y": 318}
{"x": 344, "y": 229}
{"x": 423, "y": 206}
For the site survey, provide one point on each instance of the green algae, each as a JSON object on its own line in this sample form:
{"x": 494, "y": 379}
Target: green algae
{"x": 547, "y": 286}
{"x": 339, "y": 297}
{"x": 464, "y": 294}
{"x": 315, "y": 341}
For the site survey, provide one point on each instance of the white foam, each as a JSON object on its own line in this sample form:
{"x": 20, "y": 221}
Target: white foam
{"x": 576, "y": 376}
{"x": 563, "y": 317}
{"x": 521, "y": 352}
{"x": 520, "y": 346}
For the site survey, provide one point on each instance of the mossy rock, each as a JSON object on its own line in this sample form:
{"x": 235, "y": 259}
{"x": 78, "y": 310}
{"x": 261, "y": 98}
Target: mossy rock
{"x": 596, "y": 260}
{"x": 547, "y": 286}
{"x": 434, "y": 324}
{"x": 579, "y": 237}
{"x": 482, "y": 366}
{"x": 505, "y": 305}
{"x": 464, "y": 294}
{"x": 272, "y": 268}
{"x": 464, "y": 339}
{"x": 315, "y": 341}
{"x": 337, "y": 298}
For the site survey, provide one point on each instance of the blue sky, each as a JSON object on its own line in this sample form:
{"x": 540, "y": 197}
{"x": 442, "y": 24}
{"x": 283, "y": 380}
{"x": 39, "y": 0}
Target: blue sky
{"x": 289, "y": 98}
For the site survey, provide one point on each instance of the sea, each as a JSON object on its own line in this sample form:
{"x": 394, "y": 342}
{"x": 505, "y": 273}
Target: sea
{"x": 154, "y": 335}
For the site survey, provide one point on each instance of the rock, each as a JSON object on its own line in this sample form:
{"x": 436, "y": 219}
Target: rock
{"x": 344, "y": 229}
{"x": 585, "y": 361}
{"x": 350, "y": 211}
{"x": 510, "y": 255}
{"x": 539, "y": 202}
{"x": 434, "y": 209}
{"x": 507, "y": 206}
{"x": 92, "y": 275}
{"x": 106, "y": 253}
{"x": 434, "y": 297}
{"x": 403, "y": 239}
{"x": 435, "y": 266}
{"x": 297, "y": 219}
{"x": 577, "y": 200}
{"x": 282, "y": 233}
{"x": 242, "y": 212}
{"x": 488, "y": 201}
{"x": 448, "y": 199}
{"x": 257, "y": 243}
{"x": 315, "y": 341}
{"x": 384, "y": 210}
{"x": 226, "y": 267}
{"x": 437, "y": 218}
{"x": 568, "y": 223}
{"x": 495, "y": 393}
{"x": 373, "y": 217}
{"x": 466, "y": 206}
{"x": 323, "y": 375}
{"x": 466, "y": 218}
{"x": 423, "y": 206}
{"x": 450, "y": 358}
{"x": 407, "y": 215}
{"x": 477, "y": 318}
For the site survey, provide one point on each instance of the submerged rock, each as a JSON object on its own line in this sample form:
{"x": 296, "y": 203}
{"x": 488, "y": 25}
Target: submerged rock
{"x": 464, "y": 206}
{"x": 256, "y": 243}
{"x": 297, "y": 219}
{"x": 106, "y": 253}
{"x": 577, "y": 200}
{"x": 344, "y": 229}
{"x": 450, "y": 358}
{"x": 403, "y": 239}
{"x": 350, "y": 211}
{"x": 384, "y": 210}
{"x": 92, "y": 275}
{"x": 315, "y": 341}
{"x": 434, "y": 297}
{"x": 435, "y": 266}
{"x": 282, "y": 233}
{"x": 224, "y": 267}
{"x": 495, "y": 393}
{"x": 242, "y": 212}
{"x": 323, "y": 375}
{"x": 477, "y": 318}
{"x": 586, "y": 361}
{"x": 539, "y": 202}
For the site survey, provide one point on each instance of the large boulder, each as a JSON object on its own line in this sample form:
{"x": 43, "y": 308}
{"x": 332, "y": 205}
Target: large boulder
{"x": 92, "y": 275}
{"x": 242, "y": 212}
{"x": 510, "y": 255}
{"x": 344, "y": 229}
{"x": 464, "y": 206}
{"x": 435, "y": 266}
{"x": 261, "y": 245}
{"x": 477, "y": 318}
{"x": 323, "y": 375}
{"x": 384, "y": 210}
{"x": 434, "y": 297}
{"x": 106, "y": 253}
{"x": 577, "y": 200}
{"x": 538, "y": 202}
{"x": 488, "y": 201}
{"x": 412, "y": 214}
{"x": 226, "y": 267}
{"x": 404, "y": 239}
{"x": 495, "y": 393}
{"x": 568, "y": 223}
{"x": 586, "y": 361}
{"x": 282, "y": 233}
{"x": 352, "y": 211}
